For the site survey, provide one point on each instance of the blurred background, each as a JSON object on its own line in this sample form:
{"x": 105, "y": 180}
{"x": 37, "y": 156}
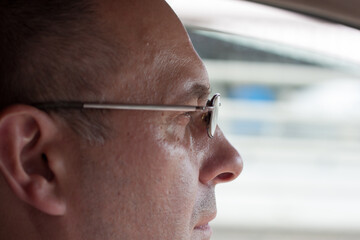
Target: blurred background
{"x": 290, "y": 88}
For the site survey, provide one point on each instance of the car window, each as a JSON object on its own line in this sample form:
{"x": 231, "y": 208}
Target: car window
{"x": 290, "y": 88}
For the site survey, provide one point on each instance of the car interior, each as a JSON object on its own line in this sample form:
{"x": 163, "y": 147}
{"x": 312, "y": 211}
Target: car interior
{"x": 289, "y": 76}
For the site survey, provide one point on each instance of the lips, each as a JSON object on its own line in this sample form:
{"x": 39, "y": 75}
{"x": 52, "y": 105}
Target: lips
{"x": 203, "y": 232}
{"x": 203, "y": 224}
{"x": 203, "y": 227}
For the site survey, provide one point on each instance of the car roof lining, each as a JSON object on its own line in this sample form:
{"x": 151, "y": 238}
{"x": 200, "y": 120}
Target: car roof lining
{"x": 345, "y": 11}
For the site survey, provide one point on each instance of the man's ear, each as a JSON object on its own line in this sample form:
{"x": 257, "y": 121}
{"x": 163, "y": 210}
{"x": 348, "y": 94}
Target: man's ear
{"x": 28, "y": 159}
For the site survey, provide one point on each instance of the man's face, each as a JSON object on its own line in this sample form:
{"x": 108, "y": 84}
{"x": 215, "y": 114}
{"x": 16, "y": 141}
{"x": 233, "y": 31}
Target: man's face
{"x": 154, "y": 177}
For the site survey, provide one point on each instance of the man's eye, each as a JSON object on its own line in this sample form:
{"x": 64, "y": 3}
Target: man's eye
{"x": 205, "y": 117}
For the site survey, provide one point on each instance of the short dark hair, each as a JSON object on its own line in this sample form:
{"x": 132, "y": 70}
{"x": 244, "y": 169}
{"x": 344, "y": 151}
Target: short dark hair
{"x": 55, "y": 51}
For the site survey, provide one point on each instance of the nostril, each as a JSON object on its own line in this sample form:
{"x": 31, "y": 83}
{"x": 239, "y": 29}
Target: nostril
{"x": 226, "y": 176}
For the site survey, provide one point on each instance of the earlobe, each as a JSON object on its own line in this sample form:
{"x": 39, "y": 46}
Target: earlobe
{"x": 26, "y": 139}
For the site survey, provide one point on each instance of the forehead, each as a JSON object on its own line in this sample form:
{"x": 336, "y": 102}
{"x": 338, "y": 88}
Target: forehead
{"x": 161, "y": 63}
{"x": 179, "y": 74}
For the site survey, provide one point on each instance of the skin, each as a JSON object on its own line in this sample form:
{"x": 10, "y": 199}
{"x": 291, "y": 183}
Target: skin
{"x": 154, "y": 178}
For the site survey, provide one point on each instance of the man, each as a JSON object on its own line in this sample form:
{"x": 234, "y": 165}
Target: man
{"x": 71, "y": 172}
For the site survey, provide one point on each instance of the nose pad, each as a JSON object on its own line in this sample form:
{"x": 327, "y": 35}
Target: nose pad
{"x": 223, "y": 162}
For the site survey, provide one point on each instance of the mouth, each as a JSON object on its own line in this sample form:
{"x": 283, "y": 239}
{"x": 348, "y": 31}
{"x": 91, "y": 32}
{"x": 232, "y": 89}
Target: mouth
{"x": 203, "y": 228}
{"x": 204, "y": 231}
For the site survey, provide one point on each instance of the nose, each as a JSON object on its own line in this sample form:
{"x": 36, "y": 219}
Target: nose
{"x": 223, "y": 162}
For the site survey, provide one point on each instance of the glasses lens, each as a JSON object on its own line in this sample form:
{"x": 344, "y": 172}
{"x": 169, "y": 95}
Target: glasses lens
{"x": 215, "y": 102}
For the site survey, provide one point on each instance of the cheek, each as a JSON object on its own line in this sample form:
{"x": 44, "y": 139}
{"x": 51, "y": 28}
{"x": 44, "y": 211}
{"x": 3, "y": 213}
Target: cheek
{"x": 144, "y": 180}
{"x": 164, "y": 190}
{"x": 171, "y": 174}
{"x": 174, "y": 130}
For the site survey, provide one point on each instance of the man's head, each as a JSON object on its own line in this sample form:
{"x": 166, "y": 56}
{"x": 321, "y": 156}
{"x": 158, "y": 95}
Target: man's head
{"x": 152, "y": 174}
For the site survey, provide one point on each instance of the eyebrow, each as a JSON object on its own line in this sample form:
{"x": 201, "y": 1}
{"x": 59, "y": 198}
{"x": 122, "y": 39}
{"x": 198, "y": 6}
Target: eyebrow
{"x": 197, "y": 91}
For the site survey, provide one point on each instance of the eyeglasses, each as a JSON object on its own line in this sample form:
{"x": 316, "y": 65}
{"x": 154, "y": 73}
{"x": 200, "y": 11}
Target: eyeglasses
{"x": 211, "y": 108}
